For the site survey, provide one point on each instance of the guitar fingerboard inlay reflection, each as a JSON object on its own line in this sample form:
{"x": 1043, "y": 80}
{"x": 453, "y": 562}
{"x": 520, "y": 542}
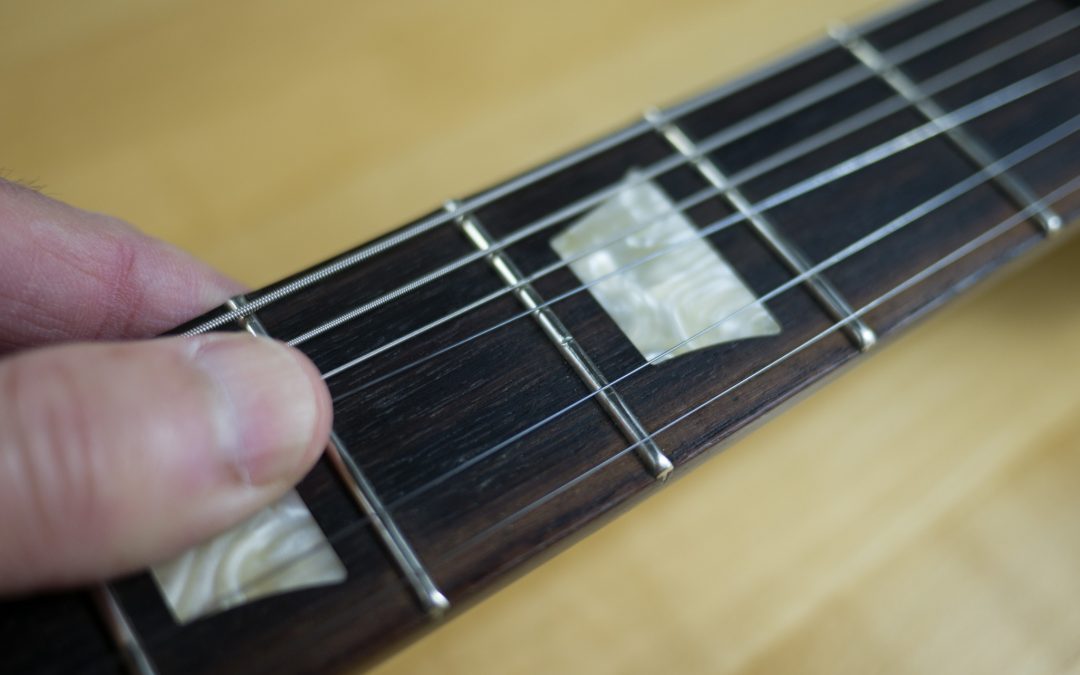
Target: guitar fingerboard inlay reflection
{"x": 279, "y": 549}
{"x": 682, "y": 289}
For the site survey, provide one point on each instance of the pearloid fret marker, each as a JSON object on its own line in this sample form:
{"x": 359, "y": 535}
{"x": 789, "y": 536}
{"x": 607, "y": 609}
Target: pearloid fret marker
{"x": 662, "y": 303}
{"x": 648, "y": 450}
{"x": 245, "y": 562}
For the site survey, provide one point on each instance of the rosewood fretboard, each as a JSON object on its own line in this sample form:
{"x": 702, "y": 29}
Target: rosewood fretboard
{"x": 486, "y": 453}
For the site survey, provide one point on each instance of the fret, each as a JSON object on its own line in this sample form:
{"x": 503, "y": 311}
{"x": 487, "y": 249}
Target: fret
{"x": 651, "y": 454}
{"x": 971, "y": 146}
{"x": 855, "y": 206}
{"x": 861, "y": 335}
{"x": 434, "y": 441}
{"x": 361, "y": 490}
{"x": 123, "y": 633}
{"x": 1004, "y": 130}
{"x": 481, "y": 441}
{"x": 430, "y": 597}
{"x": 243, "y": 639}
{"x": 357, "y": 541}
{"x": 408, "y": 432}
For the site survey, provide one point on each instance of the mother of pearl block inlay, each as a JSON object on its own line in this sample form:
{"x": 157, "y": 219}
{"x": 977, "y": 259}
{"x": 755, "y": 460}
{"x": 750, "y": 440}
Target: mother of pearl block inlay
{"x": 685, "y": 288}
{"x": 279, "y": 549}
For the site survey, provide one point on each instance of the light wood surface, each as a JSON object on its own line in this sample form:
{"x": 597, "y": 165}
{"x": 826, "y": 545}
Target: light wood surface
{"x": 919, "y": 514}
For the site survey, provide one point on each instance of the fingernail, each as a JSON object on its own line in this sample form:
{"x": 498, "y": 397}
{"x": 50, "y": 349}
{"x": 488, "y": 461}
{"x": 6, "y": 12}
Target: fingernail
{"x": 269, "y": 406}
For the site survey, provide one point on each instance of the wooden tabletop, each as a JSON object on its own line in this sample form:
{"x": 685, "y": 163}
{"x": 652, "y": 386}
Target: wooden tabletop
{"x": 919, "y": 514}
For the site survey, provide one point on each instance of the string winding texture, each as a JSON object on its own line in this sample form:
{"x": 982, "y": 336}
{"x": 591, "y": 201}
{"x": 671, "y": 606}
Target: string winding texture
{"x": 901, "y": 53}
{"x": 1060, "y": 193}
{"x": 934, "y": 85}
{"x": 964, "y": 186}
{"x": 847, "y": 78}
{"x": 924, "y": 132}
{"x": 905, "y": 51}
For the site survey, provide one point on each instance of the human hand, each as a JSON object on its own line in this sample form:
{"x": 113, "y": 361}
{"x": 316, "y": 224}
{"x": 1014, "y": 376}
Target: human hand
{"x": 117, "y": 453}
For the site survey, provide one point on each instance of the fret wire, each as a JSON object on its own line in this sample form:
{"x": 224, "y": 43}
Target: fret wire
{"x": 998, "y": 230}
{"x": 907, "y": 140}
{"x": 388, "y": 243}
{"x": 709, "y": 144}
{"x": 567, "y": 346}
{"x": 923, "y": 209}
{"x": 944, "y": 80}
{"x": 364, "y": 495}
{"x": 966, "y": 142}
{"x": 976, "y": 17}
{"x": 814, "y": 94}
{"x": 122, "y": 633}
{"x": 425, "y": 225}
{"x": 980, "y": 177}
{"x": 783, "y": 247}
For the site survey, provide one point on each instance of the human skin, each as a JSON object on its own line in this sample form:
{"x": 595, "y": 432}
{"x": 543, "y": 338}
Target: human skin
{"x": 117, "y": 451}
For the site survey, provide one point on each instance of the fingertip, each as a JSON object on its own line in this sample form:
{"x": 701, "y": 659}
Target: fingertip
{"x": 116, "y": 456}
{"x": 273, "y": 412}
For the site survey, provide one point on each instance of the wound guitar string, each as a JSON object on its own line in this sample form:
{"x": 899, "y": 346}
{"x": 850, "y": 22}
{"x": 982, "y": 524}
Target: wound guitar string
{"x": 925, "y": 208}
{"x": 975, "y": 65}
{"x": 961, "y": 25}
{"x": 905, "y": 51}
{"x": 487, "y": 453}
{"x": 931, "y": 86}
{"x": 924, "y": 132}
{"x": 1062, "y": 192}
{"x": 980, "y": 177}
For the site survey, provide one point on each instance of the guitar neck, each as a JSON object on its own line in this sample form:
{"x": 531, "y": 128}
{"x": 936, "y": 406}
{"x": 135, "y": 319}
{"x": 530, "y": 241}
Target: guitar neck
{"x": 493, "y": 399}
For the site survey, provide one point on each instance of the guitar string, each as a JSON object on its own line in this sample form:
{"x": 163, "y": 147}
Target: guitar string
{"x": 488, "y": 531}
{"x": 403, "y": 240}
{"x": 923, "y": 132}
{"x": 833, "y": 85}
{"x": 905, "y": 50}
{"x": 925, "y": 208}
{"x": 494, "y": 449}
{"x": 1001, "y": 228}
{"x": 1025, "y": 153}
{"x": 930, "y": 87}
{"x": 521, "y": 434}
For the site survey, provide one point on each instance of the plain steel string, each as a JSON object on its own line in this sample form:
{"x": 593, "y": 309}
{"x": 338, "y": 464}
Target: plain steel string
{"x": 931, "y": 86}
{"x": 954, "y": 27}
{"x": 942, "y": 263}
{"x": 984, "y": 13}
{"x": 378, "y": 247}
{"x": 791, "y": 283}
{"x": 919, "y": 134}
{"x": 1000, "y": 229}
{"x": 976, "y": 179}
{"x": 922, "y": 43}
{"x": 318, "y": 274}
{"x": 925, "y": 208}
{"x": 341, "y": 534}
{"x": 1017, "y": 218}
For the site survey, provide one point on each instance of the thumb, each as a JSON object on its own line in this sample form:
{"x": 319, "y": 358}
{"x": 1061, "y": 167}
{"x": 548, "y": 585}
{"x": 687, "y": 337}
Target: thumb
{"x": 114, "y": 456}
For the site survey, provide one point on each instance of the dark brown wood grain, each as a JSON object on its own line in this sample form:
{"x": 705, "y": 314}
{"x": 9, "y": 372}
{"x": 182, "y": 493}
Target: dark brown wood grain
{"x": 429, "y": 421}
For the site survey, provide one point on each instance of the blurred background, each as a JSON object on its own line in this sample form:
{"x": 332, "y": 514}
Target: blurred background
{"x": 921, "y": 513}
